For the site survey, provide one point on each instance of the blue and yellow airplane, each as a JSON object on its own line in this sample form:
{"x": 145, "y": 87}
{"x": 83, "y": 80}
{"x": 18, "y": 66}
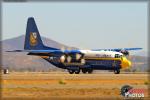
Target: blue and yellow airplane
{"x": 75, "y": 60}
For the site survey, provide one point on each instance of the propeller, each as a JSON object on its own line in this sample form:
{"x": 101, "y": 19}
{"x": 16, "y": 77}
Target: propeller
{"x": 78, "y": 56}
{"x": 69, "y": 59}
{"x": 62, "y": 58}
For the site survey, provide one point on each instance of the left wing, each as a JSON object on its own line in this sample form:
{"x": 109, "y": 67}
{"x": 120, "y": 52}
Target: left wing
{"x": 125, "y": 51}
{"x": 118, "y": 49}
{"x": 47, "y": 52}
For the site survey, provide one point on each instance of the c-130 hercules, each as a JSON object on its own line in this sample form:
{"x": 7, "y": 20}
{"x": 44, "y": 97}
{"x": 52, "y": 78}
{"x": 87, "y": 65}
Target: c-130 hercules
{"x": 75, "y": 60}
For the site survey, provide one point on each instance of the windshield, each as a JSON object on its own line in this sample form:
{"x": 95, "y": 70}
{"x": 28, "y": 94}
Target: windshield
{"x": 117, "y": 56}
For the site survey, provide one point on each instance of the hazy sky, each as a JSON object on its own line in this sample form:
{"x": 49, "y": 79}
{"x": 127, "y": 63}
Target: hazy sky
{"x": 88, "y": 25}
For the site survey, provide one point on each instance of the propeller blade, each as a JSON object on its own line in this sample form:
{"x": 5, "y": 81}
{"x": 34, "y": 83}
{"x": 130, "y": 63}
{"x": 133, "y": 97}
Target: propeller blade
{"x": 62, "y": 58}
{"x": 78, "y": 56}
{"x": 69, "y": 59}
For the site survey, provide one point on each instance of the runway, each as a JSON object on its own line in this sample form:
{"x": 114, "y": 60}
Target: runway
{"x": 61, "y": 85}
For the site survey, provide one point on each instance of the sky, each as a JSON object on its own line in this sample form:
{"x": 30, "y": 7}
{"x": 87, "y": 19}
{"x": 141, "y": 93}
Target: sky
{"x": 87, "y": 25}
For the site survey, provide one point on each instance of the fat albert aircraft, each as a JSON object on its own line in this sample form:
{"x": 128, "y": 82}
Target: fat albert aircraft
{"x": 75, "y": 60}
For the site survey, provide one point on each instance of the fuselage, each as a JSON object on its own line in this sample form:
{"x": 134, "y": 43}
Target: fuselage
{"x": 106, "y": 60}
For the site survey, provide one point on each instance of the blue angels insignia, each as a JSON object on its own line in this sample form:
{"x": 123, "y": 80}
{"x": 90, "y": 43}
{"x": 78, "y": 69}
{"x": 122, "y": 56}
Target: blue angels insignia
{"x": 33, "y": 38}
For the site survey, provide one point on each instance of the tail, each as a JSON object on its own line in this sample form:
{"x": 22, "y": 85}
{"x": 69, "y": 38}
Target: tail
{"x": 33, "y": 39}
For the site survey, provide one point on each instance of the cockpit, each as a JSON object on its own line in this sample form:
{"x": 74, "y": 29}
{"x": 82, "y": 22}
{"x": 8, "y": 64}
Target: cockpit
{"x": 118, "y": 56}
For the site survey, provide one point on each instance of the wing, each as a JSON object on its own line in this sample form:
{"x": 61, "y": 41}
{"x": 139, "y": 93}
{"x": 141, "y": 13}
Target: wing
{"x": 119, "y": 49}
{"x": 47, "y": 52}
{"x": 124, "y": 51}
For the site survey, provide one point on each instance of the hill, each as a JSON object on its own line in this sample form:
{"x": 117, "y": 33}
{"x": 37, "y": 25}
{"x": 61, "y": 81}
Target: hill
{"x": 18, "y": 43}
{"x": 21, "y": 61}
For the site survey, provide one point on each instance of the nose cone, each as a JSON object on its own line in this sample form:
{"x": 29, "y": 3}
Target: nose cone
{"x": 126, "y": 63}
{"x": 129, "y": 63}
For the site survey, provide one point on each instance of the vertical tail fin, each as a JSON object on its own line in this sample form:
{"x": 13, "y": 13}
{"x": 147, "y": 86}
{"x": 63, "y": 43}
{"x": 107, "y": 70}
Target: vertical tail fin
{"x": 33, "y": 39}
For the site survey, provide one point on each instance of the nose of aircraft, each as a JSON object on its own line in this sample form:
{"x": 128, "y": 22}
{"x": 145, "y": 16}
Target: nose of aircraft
{"x": 129, "y": 63}
{"x": 126, "y": 63}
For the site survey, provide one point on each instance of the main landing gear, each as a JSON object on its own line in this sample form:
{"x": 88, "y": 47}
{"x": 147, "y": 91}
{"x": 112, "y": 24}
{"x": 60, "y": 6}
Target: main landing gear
{"x": 71, "y": 71}
{"x": 77, "y": 71}
{"x": 117, "y": 71}
{"x": 89, "y": 70}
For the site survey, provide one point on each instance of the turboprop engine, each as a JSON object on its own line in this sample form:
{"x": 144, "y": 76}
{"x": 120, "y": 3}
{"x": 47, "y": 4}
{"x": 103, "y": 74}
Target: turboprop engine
{"x": 68, "y": 58}
{"x": 64, "y": 58}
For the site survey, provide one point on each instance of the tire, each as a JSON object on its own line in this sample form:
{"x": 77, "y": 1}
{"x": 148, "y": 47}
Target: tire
{"x": 77, "y": 71}
{"x": 117, "y": 71}
{"x": 84, "y": 71}
{"x": 71, "y": 71}
{"x": 90, "y": 71}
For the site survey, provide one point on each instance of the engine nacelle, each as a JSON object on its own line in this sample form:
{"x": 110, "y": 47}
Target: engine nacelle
{"x": 68, "y": 58}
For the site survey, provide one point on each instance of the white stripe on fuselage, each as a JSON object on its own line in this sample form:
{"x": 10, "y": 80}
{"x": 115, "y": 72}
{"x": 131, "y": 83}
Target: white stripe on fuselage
{"x": 100, "y": 54}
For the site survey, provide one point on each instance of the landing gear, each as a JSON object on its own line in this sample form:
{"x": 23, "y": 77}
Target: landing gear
{"x": 90, "y": 71}
{"x": 85, "y": 70}
{"x": 117, "y": 71}
{"x": 71, "y": 71}
{"x": 77, "y": 71}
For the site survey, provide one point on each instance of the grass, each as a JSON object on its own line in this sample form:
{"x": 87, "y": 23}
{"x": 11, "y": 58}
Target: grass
{"x": 147, "y": 83}
{"x": 62, "y": 82}
{"x": 84, "y": 85}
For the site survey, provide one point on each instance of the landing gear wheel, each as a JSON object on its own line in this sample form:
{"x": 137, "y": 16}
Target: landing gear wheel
{"x": 117, "y": 71}
{"x": 71, "y": 71}
{"x": 90, "y": 71}
{"x": 77, "y": 71}
{"x": 84, "y": 71}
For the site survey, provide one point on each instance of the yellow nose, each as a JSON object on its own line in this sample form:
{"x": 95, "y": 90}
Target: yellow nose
{"x": 129, "y": 63}
{"x": 126, "y": 63}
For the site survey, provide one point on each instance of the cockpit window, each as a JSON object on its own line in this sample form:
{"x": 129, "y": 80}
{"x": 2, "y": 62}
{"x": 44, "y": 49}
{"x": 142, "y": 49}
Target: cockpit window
{"x": 117, "y": 56}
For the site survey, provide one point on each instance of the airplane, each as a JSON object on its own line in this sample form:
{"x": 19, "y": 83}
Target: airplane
{"x": 75, "y": 60}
